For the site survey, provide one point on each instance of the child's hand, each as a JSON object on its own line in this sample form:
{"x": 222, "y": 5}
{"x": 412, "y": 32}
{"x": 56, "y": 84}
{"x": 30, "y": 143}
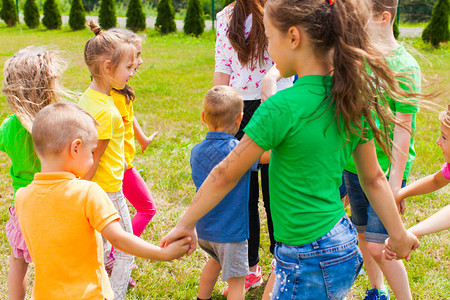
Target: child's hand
{"x": 401, "y": 248}
{"x": 400, "y": 200}
{"x": 180, "y": 232}
{"x": 147, "y": 142}
{"x": 176, "y": 249}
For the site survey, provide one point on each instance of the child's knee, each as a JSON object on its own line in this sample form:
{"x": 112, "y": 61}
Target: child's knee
{"x": 375, "y": 250}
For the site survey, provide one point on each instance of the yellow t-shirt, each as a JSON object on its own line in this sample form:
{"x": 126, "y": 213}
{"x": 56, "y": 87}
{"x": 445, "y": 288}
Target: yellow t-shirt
{"x": 61, "y": 217}
{"x": 109, "y": 174}
{"x": 126, "y": 111}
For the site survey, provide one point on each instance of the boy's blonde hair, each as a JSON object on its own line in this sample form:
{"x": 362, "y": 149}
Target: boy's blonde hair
{"x": 222, "y": 106}
{"x": 58, "y": 124}
{"x": 104, "y": 46}
{"x": 30, "y": 82}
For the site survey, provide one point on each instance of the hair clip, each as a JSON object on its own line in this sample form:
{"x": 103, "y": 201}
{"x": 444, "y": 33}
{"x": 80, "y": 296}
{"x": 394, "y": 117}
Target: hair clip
{"x": 39, "y": 55}
{"x": 331, "y": 2}
{"x": 98, "y": 31}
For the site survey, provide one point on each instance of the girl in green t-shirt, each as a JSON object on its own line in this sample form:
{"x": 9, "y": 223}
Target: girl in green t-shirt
{"x": 30, "y": 84}
{"x": 312, "y": 129}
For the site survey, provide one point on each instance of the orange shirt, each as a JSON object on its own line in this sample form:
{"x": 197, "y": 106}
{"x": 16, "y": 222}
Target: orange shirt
{"x": 61, "y": 217}
{"x": 126, "y": 111}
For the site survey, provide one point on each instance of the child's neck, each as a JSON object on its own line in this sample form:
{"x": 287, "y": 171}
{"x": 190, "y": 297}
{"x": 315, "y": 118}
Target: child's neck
{"x": 54, "y": 164}
{"x": 386, "y": 40}
{"x": 101, "y": 87}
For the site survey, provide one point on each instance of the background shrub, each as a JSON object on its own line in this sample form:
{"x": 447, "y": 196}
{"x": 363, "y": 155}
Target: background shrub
{"x": 396, "y": 30}
{"x": 437, "y": 30}
{"x": 52, "y": 16}
{"x": 135, "y": 16}
{"x": 165, "y": 21}
{"x": 107, "y": 14}
{"x": 31, "y": 14}
{"x": 77, "y": 16}
{"x": 194, "y": 23}
{"x": 9, "y": 13}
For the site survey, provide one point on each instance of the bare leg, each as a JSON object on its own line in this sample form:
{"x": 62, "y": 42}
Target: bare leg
{"x": 373, "y": 271}
{"x": 17, "y": 278}
{"x": 393, "y": 270}
{"x": 269, "y": 287}
{"x": 236, "y": 288}
{"x": 208, "y": 278}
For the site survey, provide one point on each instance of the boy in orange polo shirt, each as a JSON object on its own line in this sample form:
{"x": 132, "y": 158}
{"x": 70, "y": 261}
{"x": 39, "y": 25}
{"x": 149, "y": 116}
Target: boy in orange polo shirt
{"x": 62, "y": 216}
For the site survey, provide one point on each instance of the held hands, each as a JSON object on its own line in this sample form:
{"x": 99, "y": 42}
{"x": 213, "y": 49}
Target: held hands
{"x": 176, "y": 249}
{"x": 177, "y": 233}
{"x": 147, "y": 141}
{"x": 401, "y": 248}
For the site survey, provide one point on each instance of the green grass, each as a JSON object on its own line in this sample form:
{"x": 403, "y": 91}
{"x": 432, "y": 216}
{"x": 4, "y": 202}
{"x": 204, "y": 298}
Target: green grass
{"x": 170, "y": 86}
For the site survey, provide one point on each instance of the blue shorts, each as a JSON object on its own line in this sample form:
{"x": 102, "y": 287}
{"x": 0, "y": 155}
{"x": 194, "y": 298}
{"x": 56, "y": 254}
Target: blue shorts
{"x": 342, "y": 188}
{"x": 323, "y": 269}
{"x": 363, "y": 216}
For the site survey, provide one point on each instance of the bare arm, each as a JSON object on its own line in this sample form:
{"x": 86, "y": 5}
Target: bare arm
{"x": 136, "y": 246}
{"x": 216, "y": 186}
{"x": 269, "y": 83}
{"x": 401, "y": 139}
{"x": 101, "y": 147}
{"x": 139, "y": 133}
{"x": 221, "y": 79}
{"x": 424, "y": 185}
{"x": 379, "y": 193}
{"x": 437, "y": 222}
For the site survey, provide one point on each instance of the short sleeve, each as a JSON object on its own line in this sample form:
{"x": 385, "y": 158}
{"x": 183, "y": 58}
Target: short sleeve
{"x": 105, "y": 131}
{"x": 222, "y": 62}
{"x": 2, "y": 137}
{"x": 411, "y": 82}
{"x": 446, "y": 171}
{"x": 120, "y": 103}
{"x": 270, "y": 123}
{"x": 99, "y": 209}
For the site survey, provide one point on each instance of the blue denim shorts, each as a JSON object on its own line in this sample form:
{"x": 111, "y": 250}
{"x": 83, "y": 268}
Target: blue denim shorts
{"x": 323, "y": 269}
{"x": 363, "y": 216}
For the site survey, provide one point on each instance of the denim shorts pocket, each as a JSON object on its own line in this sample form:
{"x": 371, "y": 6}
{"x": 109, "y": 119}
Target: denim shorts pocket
{"x": 286, "y": 270}
{"x": 340, "y": 273}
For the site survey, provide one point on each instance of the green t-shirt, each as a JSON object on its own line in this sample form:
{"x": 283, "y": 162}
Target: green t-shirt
{"x": 16, "y": 141}
{"x": 402, "y": 62}
{"x": 308, "y": 156}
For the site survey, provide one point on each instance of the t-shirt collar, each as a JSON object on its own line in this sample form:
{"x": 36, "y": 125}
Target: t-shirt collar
{"x": 214, "y": 135}
{"x": 314, "y": 79}
{"x": 54, "y": 176}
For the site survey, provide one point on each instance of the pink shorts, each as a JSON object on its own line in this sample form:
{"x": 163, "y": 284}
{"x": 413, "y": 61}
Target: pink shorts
{"x": 15, "y": 236}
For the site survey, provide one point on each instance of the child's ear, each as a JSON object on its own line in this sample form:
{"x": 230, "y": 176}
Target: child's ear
{"x": 203, "y": 116}
{"x": 294, "y": 36}
{"x": 239, "y": 119}
{"x": 386, "y": 18}
{"x": 75, "y": 146}
{"x": 107, "y": 67}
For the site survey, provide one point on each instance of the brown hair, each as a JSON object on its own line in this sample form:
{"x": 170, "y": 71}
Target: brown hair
{"x": 105, "y": 46}
{"x": 31, "y": 82}
{"x": 72, "y": 123}
{"x": 132, "y": 38}
{"x": 379, "y": 6}
{"x": 338, "y": 33}
{"x": 250, "y": 50}
{"x": 222, "y": 106}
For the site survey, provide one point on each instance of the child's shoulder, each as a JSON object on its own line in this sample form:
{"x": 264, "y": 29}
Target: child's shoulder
{"x": 401, "y": 60}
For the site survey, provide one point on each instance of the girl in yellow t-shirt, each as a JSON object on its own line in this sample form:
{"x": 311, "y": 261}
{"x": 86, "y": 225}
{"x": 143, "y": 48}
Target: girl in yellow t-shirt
{"x": 134, "y": 187}
{"x": 111, "y": 63}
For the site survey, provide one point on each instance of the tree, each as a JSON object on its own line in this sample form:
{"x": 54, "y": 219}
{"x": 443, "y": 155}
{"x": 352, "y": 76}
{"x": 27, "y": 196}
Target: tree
{"x": 77, "y": 16}
{"x": 31, "y": 14}
{"x": 135, "y": 16}
{"x": 194, "y": 22}
{"x": 396, "y": 30}
{"x": 52, "y": 16}
{"x": 437, "y": 30}
{"x": 165, "y": 20}
{"x": 107, "y": 14}
{"x": 9, "y": 13}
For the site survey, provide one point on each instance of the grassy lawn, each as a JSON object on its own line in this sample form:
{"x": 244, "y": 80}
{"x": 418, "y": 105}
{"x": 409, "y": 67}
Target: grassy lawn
{"x": 170, "y": 86}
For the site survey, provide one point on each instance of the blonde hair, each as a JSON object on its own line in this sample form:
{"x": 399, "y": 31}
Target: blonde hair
{"x": 104, "y": 46}
{"x": 222, "y": 106}
{"x": 444, "y": 117}
{"x": 31, "y": 82}
{"x": 71, "y": 123}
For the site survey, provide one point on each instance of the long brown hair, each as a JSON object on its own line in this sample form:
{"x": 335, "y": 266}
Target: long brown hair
{"x": 361, "y": 77}
{"x": 250, "y": 50}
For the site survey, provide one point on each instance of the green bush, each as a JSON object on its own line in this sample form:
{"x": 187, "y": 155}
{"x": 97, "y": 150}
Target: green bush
{"x": 77, "y": 16}
{"x": 9, "y": 13}
{"x": 31, "y": 14}
{"x": 396, "y": 30}
{"x": 135, "y": 16}
{"x": 194, "y": 23}
{"x": 107, "y": 14}
{"x": 165, "y": 20}
{"x": 437, "y": 30}
{"x": 52, "y": 16}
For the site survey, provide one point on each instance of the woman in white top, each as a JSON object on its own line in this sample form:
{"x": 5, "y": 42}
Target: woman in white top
{"x": 242, "y": 61}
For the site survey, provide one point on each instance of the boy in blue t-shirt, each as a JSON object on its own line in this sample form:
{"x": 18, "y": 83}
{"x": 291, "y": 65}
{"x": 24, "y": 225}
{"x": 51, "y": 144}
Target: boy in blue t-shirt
{"x": 223, "y": 232}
